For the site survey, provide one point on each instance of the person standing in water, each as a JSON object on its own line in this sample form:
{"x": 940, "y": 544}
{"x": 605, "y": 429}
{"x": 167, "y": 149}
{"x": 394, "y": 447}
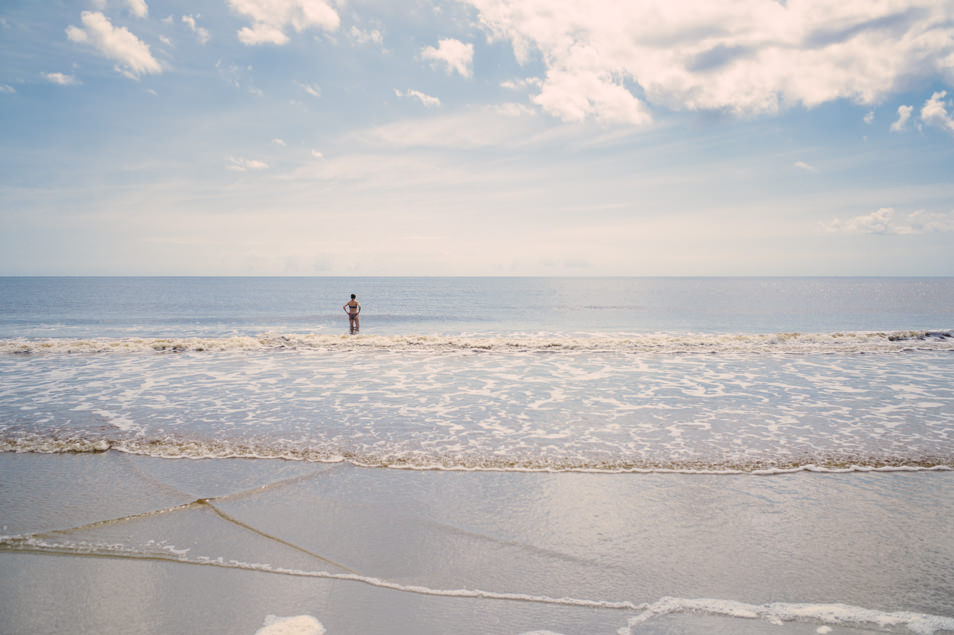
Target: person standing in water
{"x": 353, "y": 308}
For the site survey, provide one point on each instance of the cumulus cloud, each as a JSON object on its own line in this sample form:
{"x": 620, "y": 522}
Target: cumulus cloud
{"x": 455, "y": 54}
{"x": 745, "y": 57}
{"x": 115, "y": 43}
{"x": 427, "y": 100}
{"x": 61, "y": 79}
{"x": 138, "y": 7}
{"x": 239, "y": 164}
{"x": 271, "y": 19}
{"x": 886, "y": 221}
{"x": 870, "y": 117}
{"x": 201, "y": 33}
{"x": 934, "y": 112}
{"x": 904, "y": 113}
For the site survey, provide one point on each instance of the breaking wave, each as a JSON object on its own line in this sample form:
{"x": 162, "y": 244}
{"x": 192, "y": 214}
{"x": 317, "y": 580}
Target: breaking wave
{"x": 664, "y": 343}
{"x": 224, "y": 449}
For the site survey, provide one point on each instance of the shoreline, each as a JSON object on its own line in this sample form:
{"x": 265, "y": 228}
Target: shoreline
{"x": 434, "y": 551}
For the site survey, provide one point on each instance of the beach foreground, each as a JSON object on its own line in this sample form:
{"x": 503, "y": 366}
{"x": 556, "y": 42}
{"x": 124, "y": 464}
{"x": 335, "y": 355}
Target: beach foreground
{"x": 112, "y": 542}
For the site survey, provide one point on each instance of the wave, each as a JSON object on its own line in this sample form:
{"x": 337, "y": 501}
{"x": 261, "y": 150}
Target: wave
{"x": 223, "y": 449}
{"x": 664, "y": 343}
{"x": 774, "y": 613}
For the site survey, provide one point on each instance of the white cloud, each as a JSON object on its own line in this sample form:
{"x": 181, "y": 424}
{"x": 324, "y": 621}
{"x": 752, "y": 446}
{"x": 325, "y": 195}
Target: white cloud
{"x": 364, "y": 37}
{"x": 317, "y": 154}
{"x": 138, "y": 7}
{"x": 801, "y": 165}
{"x": 427, "y": 100}
{"x": 166, "y": 41}
{"x": 743, "y": 57}
{"x": 61, "y": 79}
{"x": 117, "y": 44}
{"x": 312, "y": 89}
{"x": 270, "y": 19}
{"x": 457, "y": 55}
{"x": 575, "y": 96}
{"x": 934, "y": 112}
{"x": 238, "y": 164}
{"x": 7, "y": 89}
{"x": 486, "y": 127}
{"x": 884, "y": 221}
{"x": 279, "y": 142}
{"x": 201, "y": 33}
{"x": 870, "y": 117}
{"x": 904, "y": 113}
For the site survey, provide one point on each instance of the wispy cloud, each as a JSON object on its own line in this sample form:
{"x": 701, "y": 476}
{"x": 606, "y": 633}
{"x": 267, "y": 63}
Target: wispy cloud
{"x": 458, "y": 57}
{"x": 138, "y": 8}
{"x": 115, "y": 43}
{"x": 427, "y": 100}
{"x": 239, "y": 164}
{"x": 801, "y": 165}
{"x": 201, "y": 33}
{"x": 6, "y": 89}
{"x": 61, "y": 79}
{"x": 312, "y": 89}
{"x": 887, "y": 221}
{"x": 364, "y": 37}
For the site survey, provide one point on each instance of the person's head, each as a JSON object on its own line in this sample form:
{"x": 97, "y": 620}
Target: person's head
{"x": 352, "y": 296}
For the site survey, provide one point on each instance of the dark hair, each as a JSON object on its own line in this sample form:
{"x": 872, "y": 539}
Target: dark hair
{"x": 352, "y": 296}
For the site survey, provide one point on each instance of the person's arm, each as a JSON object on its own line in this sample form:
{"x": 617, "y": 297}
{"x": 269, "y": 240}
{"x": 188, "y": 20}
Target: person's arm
{"x": 359, "y": 306}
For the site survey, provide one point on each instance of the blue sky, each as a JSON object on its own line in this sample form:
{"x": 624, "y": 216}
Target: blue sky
{"x": 479, "y": 137}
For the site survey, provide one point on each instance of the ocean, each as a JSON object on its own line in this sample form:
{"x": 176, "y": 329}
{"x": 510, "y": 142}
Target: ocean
{"x": 495, "y": 455}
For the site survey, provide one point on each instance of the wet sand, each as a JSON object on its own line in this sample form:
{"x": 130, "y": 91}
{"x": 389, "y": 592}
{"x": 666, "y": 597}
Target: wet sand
{"x": 115, "y": 543}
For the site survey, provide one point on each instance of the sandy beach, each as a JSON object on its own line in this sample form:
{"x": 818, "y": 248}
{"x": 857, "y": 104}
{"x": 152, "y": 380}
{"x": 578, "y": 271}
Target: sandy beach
{"x": 116, "y": 543}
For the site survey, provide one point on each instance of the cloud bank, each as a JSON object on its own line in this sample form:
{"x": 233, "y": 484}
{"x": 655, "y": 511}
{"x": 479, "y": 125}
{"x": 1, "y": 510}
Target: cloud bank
{"x": 886, "y": 221}
{"x": 610, "y": 58}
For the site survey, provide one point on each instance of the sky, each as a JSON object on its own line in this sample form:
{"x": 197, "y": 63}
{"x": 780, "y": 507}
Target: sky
{"x": 477, "y": 137}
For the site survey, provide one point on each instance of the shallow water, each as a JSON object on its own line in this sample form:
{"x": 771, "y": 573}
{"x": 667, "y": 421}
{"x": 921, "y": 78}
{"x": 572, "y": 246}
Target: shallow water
{"x": 471, "y": 552}
{"x": 486, "y": 456}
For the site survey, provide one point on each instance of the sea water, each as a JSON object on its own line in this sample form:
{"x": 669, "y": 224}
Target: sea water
{"x": 613, "y": 374}
{"x": 523, "y": 383}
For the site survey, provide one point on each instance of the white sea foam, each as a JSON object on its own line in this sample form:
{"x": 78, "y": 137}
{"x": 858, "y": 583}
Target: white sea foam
{"x": 297, "y": 625}
{"x": 200, "y": 449}
{"x": 850, "y": 342}
{"x": 780, "y": 612}
{"x": 775, "y": 613}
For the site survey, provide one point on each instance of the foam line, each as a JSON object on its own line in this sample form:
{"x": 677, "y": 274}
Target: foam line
{"x": 848, "y": 341}
{"x": 773, "y": 613}
{"x": 191, "y": 449}
{"x": 780, "y": 612}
